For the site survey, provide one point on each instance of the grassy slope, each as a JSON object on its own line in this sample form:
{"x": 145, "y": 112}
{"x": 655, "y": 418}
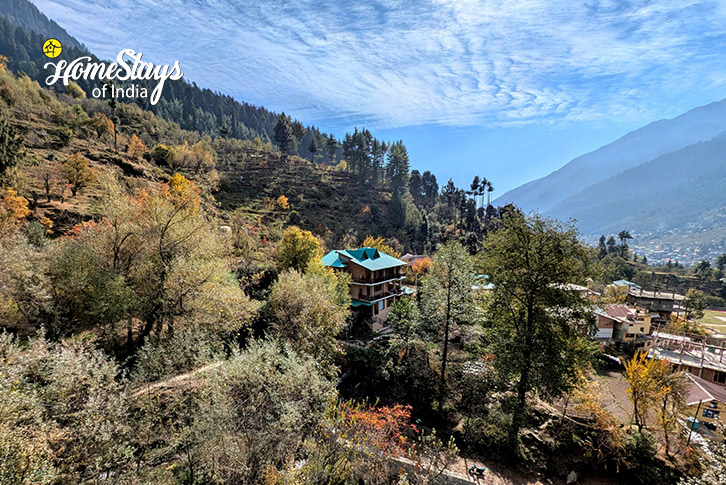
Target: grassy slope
{"x": 322, "y": 199}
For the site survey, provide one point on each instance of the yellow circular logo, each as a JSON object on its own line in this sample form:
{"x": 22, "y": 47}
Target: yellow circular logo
{"x": 52, "y": 48}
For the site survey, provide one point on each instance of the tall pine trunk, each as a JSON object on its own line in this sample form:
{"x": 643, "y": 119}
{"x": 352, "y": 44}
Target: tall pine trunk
{"x": 445, "y": 353}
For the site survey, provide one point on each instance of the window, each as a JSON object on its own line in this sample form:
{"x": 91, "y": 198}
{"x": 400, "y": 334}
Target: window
{"x": 719, "y": 377}
{"x": 381, "y": 305}
{"x": 389, "y": 302}
{"x": 710, "y": 413}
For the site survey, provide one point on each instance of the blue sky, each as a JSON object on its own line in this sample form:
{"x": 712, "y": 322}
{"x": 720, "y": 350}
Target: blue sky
{"x": 507, "y": 89}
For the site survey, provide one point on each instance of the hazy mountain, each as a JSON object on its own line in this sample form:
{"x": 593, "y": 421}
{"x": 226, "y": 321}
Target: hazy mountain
{"x": 682, "y": 191}
{"x": 631, "y": 150}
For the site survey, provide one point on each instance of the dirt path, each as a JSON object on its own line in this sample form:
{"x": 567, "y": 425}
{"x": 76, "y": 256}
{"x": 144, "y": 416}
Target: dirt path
{"x": 173, "y": 381}
{"x": 613, "y": 391}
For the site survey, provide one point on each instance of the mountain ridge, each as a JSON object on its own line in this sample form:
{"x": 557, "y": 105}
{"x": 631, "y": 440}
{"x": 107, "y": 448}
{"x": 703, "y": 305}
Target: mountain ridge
{"x": 28, "y": 16}
{"x": 630, "y": 150}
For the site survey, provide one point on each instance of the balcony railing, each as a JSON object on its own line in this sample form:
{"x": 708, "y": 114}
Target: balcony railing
{"x": 377, "y": 279}
{"x": 379, "y": 296}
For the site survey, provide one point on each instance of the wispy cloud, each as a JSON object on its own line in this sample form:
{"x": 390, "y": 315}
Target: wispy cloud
{"x": 400, "y": 63}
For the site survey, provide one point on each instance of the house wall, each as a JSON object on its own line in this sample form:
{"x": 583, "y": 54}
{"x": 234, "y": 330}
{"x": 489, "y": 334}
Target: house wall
{"x": 605, "y": 327}
{"x": 709, "y": 415}
{"x": 357, "y": 271}
{"x": 604, "y": 333}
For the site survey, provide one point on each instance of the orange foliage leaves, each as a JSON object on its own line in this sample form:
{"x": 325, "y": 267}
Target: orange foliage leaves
{"x": 422, "y": 266}
{"x": 384, "y": 428}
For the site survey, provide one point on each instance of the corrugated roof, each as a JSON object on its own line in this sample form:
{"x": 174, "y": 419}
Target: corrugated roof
{"x": 625, "y": 283}
{"x": 705, "y": 391}
{"x": 619, "y": 311}
{"x": 368, "y": 258}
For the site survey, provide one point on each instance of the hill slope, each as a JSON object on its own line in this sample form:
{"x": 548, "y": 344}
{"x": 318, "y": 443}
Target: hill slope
{"x": 681, "y": 191}
{"x": 631, "y": 150}
{"x": 26, "y": 15}
{"x": 23, "y": 29}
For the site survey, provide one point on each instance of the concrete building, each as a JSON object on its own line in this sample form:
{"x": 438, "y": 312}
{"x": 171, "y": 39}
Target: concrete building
{"x": 629, "y": 325}
{"x": 661, "y": 302}
{"x": 701, "y": 356}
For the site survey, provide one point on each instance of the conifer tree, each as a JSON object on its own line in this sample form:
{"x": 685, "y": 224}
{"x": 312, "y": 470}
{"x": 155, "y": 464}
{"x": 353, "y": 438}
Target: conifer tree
{"x": 284, "y": 135}
{"x": 312, "y": 147}
{"x": 11, "y": 145}
{"x": 332, "y": 146}
{"x": 398, "y": 166}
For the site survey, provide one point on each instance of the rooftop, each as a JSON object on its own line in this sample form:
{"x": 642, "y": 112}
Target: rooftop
{"x": 701, "y": 390}
{"x": 619, "y": 311}
{"x": 656, "y": 295}
{"x": 368, "y": 258}
{"x": 625, "y": 283}
{"x": 679, "y": 349}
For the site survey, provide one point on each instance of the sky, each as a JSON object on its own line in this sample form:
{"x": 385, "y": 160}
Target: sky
{"x": 506, "y": 89}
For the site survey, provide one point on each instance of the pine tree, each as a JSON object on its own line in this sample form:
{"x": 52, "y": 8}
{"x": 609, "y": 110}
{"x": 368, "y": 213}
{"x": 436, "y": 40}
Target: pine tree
{"x": 398, "y": 166}
{"x": 602, "y": 249}
{"x": 612, "y": 245}
{"x": 11, "y": 145}
{"x": 312, "y": 147}
{"x": 332, "y": 146}
{"x": 430, "y": 188}
{"x": 415, "y": 186}
{"x": 624, "y": 236}
{"x": 284, "y": 135}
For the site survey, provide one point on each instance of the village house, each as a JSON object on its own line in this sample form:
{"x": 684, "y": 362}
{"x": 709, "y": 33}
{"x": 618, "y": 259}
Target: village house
{"x": 625, "y": 284}
{"x": 705, "y": 402}
{"x": 626, "y": 325}
{"x": 664, "y": 303}
{"x": 697, "y": 355}
{"x": 376, "y": 282}
{"x": 605, "y": 326}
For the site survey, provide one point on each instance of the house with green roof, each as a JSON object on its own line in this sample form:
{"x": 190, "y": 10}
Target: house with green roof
{"x": 376, "y": 281}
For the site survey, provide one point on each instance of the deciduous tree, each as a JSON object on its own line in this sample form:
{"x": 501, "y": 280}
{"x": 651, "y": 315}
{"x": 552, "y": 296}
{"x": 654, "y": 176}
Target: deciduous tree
{"x": 78, "y": 172}
{"x": 297, "y": 249}
{"x": 310, "y": 310}
{"x": 136, "y": 147}
{"x": 446, "y": 299}
{"x": 536, "y": 322}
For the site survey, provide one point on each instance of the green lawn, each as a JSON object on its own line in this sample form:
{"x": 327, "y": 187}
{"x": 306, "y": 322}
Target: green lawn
{"x": 715, "y": 320}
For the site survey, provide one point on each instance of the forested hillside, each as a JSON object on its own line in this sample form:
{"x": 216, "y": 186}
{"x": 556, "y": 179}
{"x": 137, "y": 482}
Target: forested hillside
{"x": 26, "y": 15}
{"x": 23, "y": 27}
